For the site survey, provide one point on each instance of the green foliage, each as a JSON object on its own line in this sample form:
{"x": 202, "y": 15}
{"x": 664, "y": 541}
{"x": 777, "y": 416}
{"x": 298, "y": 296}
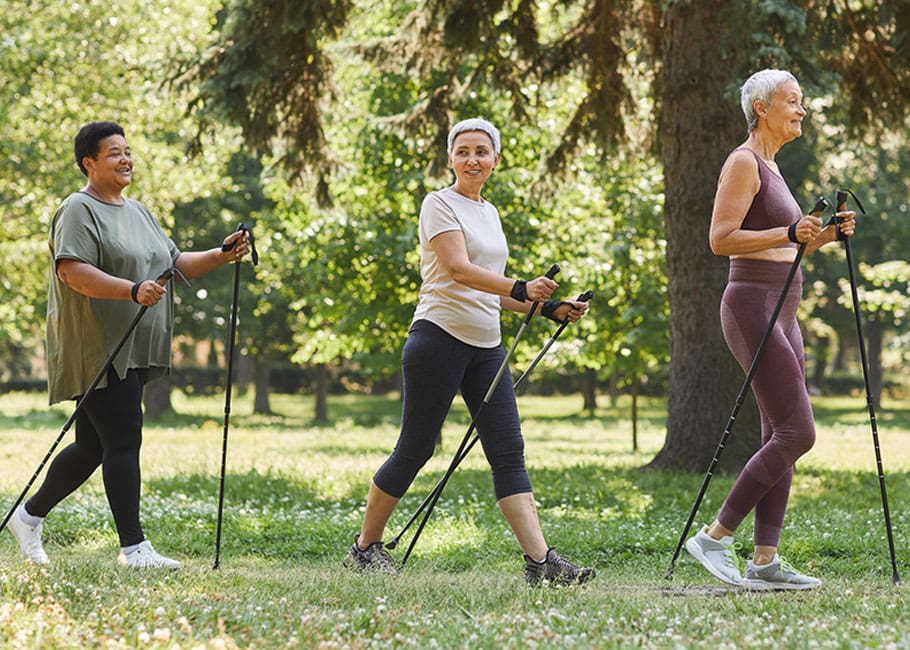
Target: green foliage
{"x": 268, "y": 74}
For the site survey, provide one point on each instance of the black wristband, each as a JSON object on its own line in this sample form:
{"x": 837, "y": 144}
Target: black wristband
{"x": 549, "y": 307}
{"x": 519, "y": 291}
{"x": 791, "y": 233}
{"x": 134, "y": 292}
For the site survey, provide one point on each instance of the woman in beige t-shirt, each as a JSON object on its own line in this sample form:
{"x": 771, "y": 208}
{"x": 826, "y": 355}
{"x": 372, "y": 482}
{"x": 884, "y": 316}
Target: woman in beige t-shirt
{"x": 454, "y": 345}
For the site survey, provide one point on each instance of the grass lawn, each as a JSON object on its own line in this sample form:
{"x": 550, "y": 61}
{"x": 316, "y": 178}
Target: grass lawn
{"x": 294, "y": 501}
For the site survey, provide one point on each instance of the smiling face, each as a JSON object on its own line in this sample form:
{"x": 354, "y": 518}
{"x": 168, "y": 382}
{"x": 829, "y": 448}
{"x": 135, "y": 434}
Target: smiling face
{"x": 784, "y": 115}
{"x": 112, "y": 168}
{"x": 472, "y": 159}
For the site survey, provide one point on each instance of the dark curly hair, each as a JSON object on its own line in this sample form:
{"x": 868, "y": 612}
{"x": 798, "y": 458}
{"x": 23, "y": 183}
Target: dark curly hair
{"x": 86, "y": 141}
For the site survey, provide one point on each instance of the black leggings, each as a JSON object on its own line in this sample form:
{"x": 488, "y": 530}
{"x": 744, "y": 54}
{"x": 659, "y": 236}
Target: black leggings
{"x": 434, "y": 366}
{"x": 108, "y": 433}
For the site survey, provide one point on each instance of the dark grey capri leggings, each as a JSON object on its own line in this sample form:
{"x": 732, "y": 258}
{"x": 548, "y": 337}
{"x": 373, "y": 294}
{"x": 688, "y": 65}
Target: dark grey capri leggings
{"x": 779, "y": 385}
{"x": 435, "y": 366}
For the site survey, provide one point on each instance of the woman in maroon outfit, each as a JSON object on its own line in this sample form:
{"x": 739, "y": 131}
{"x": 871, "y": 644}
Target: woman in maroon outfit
{"x": 759, "y": 225}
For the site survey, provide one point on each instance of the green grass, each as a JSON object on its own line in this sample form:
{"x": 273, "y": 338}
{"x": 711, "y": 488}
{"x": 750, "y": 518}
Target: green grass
{"x": 294, "y": 500}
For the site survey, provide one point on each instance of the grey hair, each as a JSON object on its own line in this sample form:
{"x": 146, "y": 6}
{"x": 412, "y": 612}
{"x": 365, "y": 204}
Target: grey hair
{"x": 475, "y": 124}
{"x": 760, "y": 86}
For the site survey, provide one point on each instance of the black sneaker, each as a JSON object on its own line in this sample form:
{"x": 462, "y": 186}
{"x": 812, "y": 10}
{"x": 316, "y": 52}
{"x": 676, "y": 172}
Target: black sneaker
{"x": 373, "y": 558}
{"x": 555, "y": 570}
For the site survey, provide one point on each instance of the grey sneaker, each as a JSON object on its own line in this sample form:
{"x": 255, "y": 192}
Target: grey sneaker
{"x": 29, "y": 537}
{"x": 555, "y": 570}
{"x": 146, "y": 557}
{"x": 373, "y": 558}
{"x": 776, "y": 576}
{"x": 718, "y": 557}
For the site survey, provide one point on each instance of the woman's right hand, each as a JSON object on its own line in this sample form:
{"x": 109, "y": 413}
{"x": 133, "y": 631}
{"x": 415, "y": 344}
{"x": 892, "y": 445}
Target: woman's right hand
{"x": 807, "y": 229}
{"x": 149, "y": 293}
{"x": 540, "y": 289}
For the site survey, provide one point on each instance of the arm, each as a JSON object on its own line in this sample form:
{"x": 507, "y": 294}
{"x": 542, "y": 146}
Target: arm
{"x": 194, "y": 264}
{"x": 737, "y": 186}
{"x": 828, "y": 234}
{"x": 571, "y": 309}
{"x": 452, "y": 254}
{"x": 93, "y": 282}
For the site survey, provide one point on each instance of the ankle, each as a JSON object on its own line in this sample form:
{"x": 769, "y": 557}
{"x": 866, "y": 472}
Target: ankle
{"x": 28, "y": 518}
{"x": 360, "y": 546}
{"x": 763, "y": 556}
{"x": 717, "y": 532}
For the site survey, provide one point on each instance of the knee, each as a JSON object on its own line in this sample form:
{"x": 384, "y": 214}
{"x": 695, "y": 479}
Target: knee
{"x": 800, "y": 444}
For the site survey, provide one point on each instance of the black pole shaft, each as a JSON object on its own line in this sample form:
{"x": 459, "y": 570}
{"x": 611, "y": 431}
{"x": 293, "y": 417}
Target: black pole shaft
{"x": 227, "y": 411}
{"x": 740, "y": 398}
{"x": 895, "y": 577}
{"x": 72, "y": 417}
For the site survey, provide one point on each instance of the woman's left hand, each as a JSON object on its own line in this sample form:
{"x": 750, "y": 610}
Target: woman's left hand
{"x": 847, "y": 223}
{"x": 570, "y": 309}
{"x": 241, "y": 246}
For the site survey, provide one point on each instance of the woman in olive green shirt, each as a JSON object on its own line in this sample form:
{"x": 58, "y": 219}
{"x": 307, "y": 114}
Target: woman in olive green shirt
{"x": 105, "y": 251}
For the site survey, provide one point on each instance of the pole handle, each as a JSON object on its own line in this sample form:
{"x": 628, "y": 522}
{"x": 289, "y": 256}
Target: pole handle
{"x": 254, "y": 254}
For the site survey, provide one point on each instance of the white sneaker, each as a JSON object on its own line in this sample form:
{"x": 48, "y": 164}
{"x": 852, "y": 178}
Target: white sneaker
{"x": 777, "y": 576}
{"x": 717, "y": 556}
{"x": 145, "y": 556}
{"x": 29, "y": 537}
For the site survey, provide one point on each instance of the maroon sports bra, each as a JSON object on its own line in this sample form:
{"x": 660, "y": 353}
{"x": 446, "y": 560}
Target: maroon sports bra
{"x": 773, "y": 206}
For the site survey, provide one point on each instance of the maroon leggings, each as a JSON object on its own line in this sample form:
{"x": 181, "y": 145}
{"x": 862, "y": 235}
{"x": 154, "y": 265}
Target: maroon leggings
{"x": 779, "y": 386}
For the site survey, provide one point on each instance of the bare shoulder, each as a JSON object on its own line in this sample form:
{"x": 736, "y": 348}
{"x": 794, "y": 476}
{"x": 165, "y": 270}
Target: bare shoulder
{"x": 740, "y": 172}
{"x": 740, "y": 161}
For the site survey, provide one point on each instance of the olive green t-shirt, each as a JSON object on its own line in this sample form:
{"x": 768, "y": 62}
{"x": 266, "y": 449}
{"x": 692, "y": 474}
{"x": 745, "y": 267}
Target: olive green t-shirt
{"x": 125, "y": 241}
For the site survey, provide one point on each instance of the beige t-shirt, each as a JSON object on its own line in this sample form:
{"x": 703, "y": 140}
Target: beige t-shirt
{"x": 470, "y": 315}
{"x": 125, "y": 241}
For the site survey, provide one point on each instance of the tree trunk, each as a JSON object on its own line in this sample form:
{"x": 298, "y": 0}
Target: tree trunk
{"x": 156, "y": 396}
{"x": 589, "y": 390}
{"x": 635, "y": 385}
{"x": 873, "y": 334}
{"x": 701, "y": 122}
{"x": 842, "y": 352}
{"x": 822, "y": 346}
{"x": 261, "y": 381}
{"x": 322, "y": 393}
{"x": 245, "y": 373}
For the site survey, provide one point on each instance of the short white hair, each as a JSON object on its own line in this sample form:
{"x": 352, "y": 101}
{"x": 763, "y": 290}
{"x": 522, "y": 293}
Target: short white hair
{"x": 475, "y": 124}
{"x": 760, "y": 86}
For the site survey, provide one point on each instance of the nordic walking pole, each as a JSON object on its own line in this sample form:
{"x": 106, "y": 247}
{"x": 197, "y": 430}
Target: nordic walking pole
{"x": 162, "y": 280}
{"x": 227, "y": 392}
{"x": 820, "y": 204}
{"x": 841, "y": 205}
{"x": 464, "y": 441}
{"x": 585, "y": 297}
